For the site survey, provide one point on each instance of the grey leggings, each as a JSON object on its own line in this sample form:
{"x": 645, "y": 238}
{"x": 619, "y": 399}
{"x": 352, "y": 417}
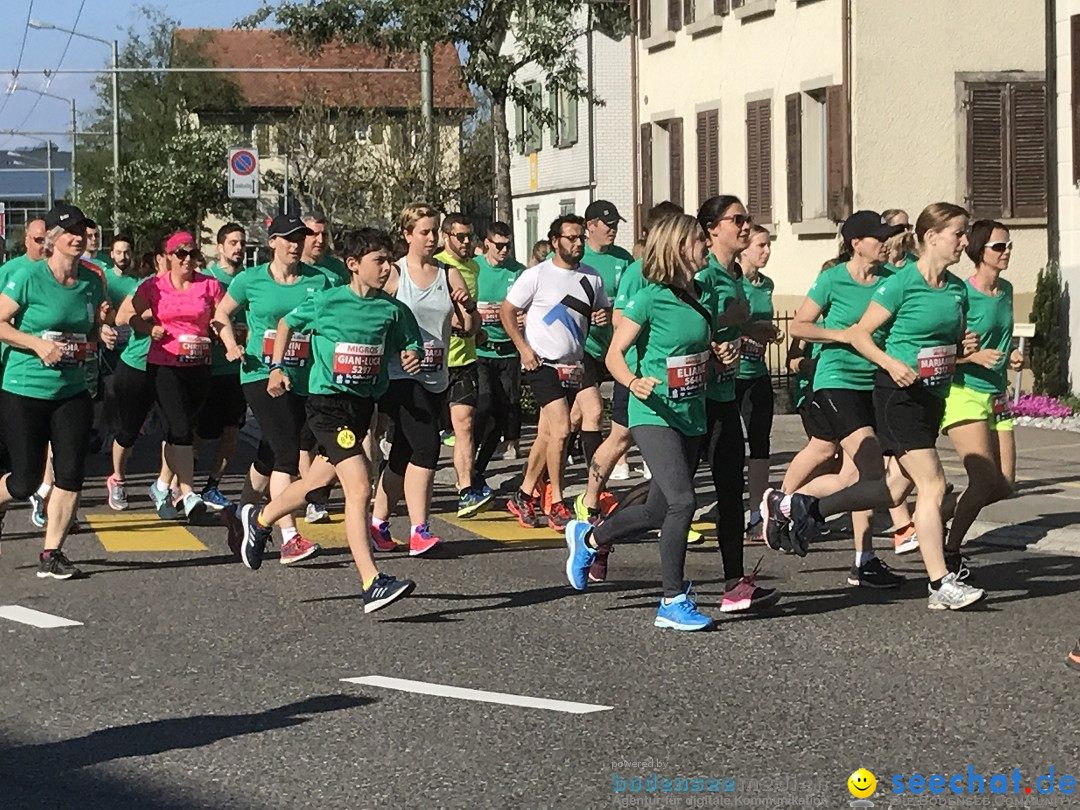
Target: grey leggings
{"x": 672, "y": 458}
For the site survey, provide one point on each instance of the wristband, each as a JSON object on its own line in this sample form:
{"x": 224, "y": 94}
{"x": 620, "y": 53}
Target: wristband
{"x": 277, "y": 366}
{"x": 630, "y": 384}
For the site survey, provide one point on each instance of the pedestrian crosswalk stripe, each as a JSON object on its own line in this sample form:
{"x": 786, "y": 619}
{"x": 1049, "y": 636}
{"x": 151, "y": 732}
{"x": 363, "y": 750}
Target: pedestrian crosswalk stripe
{"x": 142, "y": 531}
{"x": 327, "y": 535}
{"x": 503, "y": 527}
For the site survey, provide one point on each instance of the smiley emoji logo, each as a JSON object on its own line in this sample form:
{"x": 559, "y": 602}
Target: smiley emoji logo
{"x": 862, "y": 784}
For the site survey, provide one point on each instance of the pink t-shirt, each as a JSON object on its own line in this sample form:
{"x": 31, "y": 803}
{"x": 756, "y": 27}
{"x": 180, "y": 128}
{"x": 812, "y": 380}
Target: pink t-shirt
{"x": 185, "y": 315}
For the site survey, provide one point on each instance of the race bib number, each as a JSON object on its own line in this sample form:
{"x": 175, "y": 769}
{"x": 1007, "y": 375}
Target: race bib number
{"x": 686, "y": 375}
{"x": 297, "y": 353}
{"x": 724, "y": 373}
{"x": 123, "y": 335}
{"x": 1001, "y": 408}
{"x": 937, "y": 364}
{"x": 571, "y": 375}
{"x": 489, "y": 312}
{"x": 751, "y": 349}
{"x": 434, "y": 356}
{"x": 74, "y": 348}
{"x": 193, "y": 350}
{"x": 356, "y": 363}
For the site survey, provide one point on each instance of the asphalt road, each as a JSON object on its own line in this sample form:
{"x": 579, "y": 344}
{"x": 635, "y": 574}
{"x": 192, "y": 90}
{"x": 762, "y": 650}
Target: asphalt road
{"x": 192, "y": 682}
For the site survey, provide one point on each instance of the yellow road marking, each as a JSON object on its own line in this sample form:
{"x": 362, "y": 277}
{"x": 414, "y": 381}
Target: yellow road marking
{"x": 142, "y": 532}
{"x": 502, "y": 527}
{"x": 327, "y": 535}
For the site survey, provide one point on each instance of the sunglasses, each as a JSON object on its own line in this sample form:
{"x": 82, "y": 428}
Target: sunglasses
{"x": 500, "y": 245}
{"x": 576, "y": 237}
{"x": 182, "y": 254}
{"x": 40, "y": 240}
{"x": 738, "y": 219}
{"x": 462, "y": 237}
{"x": 999, "y": 247}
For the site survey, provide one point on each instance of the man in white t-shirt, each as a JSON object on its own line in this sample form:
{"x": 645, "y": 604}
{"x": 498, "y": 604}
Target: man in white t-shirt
{"x": 560, "y": 297}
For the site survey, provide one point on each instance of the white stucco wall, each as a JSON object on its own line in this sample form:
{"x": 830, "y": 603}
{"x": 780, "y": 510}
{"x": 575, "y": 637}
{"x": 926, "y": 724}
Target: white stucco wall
{"x": 1068, "y": 193}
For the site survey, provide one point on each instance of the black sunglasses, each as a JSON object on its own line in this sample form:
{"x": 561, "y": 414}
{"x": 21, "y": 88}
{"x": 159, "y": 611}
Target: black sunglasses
{"x": 182, "y": 254}
{"x": 999, "y": 247}
{"x": 738, "y": 219}
{"x": 500, "y": 245}
{"x": 462, "y": 237}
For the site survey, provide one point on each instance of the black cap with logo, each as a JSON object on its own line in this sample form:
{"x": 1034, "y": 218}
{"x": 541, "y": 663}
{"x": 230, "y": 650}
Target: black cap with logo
{"x": 287, "y": 225}
{"x": 862, "y": 224}
{"x": 67, "y": 217}
{"x": 604, "y": 211}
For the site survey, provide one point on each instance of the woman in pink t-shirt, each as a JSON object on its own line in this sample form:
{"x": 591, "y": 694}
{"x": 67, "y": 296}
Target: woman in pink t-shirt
{"x": 175, "y": 309}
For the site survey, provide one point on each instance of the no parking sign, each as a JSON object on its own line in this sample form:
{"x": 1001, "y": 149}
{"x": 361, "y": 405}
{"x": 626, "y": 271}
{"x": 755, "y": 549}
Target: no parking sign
{"x": 243, "y": 173}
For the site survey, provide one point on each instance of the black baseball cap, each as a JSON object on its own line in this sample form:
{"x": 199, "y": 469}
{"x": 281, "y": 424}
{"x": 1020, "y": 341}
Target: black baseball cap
{"x": 67, "y": 217}
{"x": 862, "y": 224}
{"x": 287, "y": 225}
{"x": 604, "y": 211}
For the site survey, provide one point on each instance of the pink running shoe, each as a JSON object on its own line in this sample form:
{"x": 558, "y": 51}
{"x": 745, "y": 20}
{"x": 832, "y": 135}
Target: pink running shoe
{"x": 380, "y": 537}
{"x": 297, "y": 549}
{"x": 422, "y": 541}
{"x": 746, "y": 595}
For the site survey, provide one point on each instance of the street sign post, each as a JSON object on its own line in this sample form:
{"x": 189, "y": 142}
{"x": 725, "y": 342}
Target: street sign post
{"x": 243, "y": 174}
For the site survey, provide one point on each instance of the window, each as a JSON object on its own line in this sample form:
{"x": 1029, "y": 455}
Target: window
{"x": 646, "y": 171}
{"x": 644, "y": 18}
{"x": 566, "y": 207}
{"x": 530, "y": 131}
{"x": 737, "y": 4}
{"x": 532, "y": 212}
{"x": 708, "y": 154}
{"x": 759, "y": 160}
{"x": 688, "y": 11}
{"x": 674, "y": 129}
{"x": 818, "y": 170}
{"x": 674, "y": 14}
{"x": 1006, "y": 148}
{"x": 564, "y": 110}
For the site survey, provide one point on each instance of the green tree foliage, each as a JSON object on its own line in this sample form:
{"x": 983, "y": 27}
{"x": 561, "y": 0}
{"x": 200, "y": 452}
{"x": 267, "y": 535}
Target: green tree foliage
{"x": 1046, "y": 345}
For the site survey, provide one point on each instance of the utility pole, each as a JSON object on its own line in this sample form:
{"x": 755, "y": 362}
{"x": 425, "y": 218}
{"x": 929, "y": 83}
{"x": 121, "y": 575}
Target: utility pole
{"x": 427, "y": 113}
{"x": 49, "y": 172}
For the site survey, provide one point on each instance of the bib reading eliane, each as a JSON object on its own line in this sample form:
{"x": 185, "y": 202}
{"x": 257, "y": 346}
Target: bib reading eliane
{"x": 686, "y": 375}
{"x": 356, "y": 363}
{"x": 937, "y": 364}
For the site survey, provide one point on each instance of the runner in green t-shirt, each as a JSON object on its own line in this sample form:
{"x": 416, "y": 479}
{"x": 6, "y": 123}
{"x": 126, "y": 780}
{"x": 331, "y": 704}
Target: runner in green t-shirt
{"x": 977, "y": 416}
{"x": 498, "y": 366}
{"x": 51, "y": 312}
{"x": 34, "y": 242}
{"x": 266, "y": 293}
{"x": 474, "y": 496}
{"x": 353, "y": 330}
{"x": 316, "y": 251}
{"x": 221, "y": 420}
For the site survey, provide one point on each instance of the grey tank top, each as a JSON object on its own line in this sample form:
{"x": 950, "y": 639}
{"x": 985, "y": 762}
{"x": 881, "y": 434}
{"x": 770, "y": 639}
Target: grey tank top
{"x": 432, "y": 308}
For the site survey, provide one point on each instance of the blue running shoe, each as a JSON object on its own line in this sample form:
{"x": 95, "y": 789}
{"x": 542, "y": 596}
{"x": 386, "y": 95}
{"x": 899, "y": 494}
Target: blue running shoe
{"x": 214, "y": 498}
{"x": 255, "y": 537}
{"x": 580, "y": 556}
{"x": 681, "y": 613}
{"x": 37, "y": 511}
{"x": 384, "y": 590}
{"x": 472, "y": 502}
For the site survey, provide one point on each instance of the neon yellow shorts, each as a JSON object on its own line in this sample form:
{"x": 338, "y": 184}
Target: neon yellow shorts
{"x": 967, "y": 405}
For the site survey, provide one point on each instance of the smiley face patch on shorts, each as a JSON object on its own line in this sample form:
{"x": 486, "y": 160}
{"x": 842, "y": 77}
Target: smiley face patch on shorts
{"x": 346, "y": 439}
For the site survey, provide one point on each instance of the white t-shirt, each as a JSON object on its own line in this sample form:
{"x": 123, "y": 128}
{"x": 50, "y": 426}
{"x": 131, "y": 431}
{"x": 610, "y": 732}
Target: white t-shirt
{"x": 559, "y": 306}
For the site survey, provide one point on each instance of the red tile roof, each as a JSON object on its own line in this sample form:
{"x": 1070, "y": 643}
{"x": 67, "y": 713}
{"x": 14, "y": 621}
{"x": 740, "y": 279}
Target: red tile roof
{"x": 231, "y": 47}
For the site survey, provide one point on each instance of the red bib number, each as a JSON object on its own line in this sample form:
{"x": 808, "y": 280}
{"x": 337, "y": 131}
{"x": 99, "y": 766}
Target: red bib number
{"x": 297, "y": 353}
{"x": 73, "y": 347}
{"x": 193, "y": 350}
{"x": 686, "y": 375}
{"x": 1000, "y": 407}
{"x": 489, "y": 312}
{"x": 937, "y": 364}
{"x": 434, "y": 356}
{"x": 356, "y": 363}
{"x": 571, "y": 375}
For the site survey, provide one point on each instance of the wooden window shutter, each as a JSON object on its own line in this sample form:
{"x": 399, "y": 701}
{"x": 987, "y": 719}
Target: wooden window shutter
{"x": 644, "y": 18}
{"x": 675, "y": 160}
{"x": 721, "y": 6}
{"x": 986, "y": 150}
{"x": 1028, "y": 151}
{"x": 689, "y": 12}
{"x": 737, "y": 4}
{"x": 556, "y": 118}
{"x": 759, "y": 160}
{"x": 646, "y": 170}
{"x": 837, "y": 157}
{"x": 708, "y": 152}
{"x": 1075, "y": 91}
{"x": 793, "y": 123}
{"x": 674, "y": 14}
{"x": 519, "y": 127}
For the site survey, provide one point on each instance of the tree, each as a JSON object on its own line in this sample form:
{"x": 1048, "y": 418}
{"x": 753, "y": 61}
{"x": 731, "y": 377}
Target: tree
{"x": 545, "y": 33}
{"x": 172, "y": 172}
{"x": 1046, "y": 345}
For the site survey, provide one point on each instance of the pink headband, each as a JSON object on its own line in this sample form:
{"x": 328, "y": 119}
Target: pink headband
{"x": 177, "y": 239}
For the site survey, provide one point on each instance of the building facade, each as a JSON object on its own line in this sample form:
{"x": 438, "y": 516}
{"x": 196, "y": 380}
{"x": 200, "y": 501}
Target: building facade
{"x": 1067, "y": 166}
{"x": 586, "y": 155}
{"x": 810, "y": 109}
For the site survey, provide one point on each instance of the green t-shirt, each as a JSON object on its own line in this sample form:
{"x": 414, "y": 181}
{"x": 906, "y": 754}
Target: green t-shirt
{"x": 926, "y": 326}
{"x": 629, "y": 284}
{"x": 492, "y": 284}
{"x": 843, "y": 300}
{"x": 673, "y": 345}
{"x": 51, "y": 310}
{"x": 218, "y": 364}
{"x": 267, "y": 302}
{"x": 727, "y": 289}
{"x": 333, "y": 268}
{"x": 752, "y": 360}
{"x": 352, "y": 338}
{"x": 610, "y": 265}
{"x": 991, "y": 318}
{"x": 11, "y": 265}
{"x": 120, "y": 287}
{"x": 462, "y": 350}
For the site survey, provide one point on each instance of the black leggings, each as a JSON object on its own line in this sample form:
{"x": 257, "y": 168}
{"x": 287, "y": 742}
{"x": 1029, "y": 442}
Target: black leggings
{"x": 415, "y": 412}
{"x": 282, "y": 421}
{"x": 672, "y": 457}
{"x": 181, "y": 392}
{"x": 499, "y": 395}
{"x": 726, "y": 451}
{"x": 31, "y": 424}
{"x": 133, "y": 392}
{"x": 755, "y": 398}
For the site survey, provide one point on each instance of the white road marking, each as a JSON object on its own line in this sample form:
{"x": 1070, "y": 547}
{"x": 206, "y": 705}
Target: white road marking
{"x": 460, "y": 693}
{"x": 35, "y": 618}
